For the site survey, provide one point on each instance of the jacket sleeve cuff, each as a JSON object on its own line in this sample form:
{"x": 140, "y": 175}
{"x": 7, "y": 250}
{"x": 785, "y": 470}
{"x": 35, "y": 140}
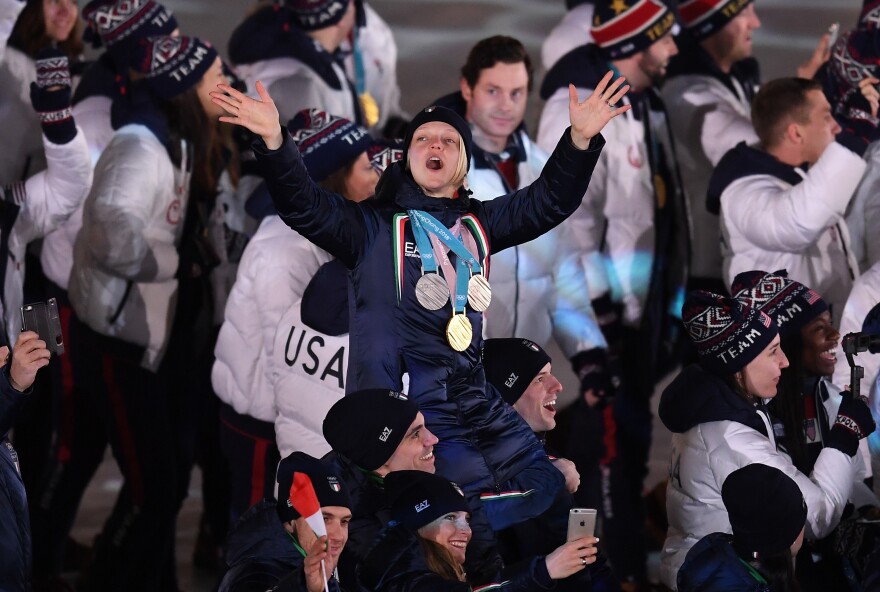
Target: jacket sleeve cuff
{"x": 596, "y": 142}
{"x": 540, "y": 573}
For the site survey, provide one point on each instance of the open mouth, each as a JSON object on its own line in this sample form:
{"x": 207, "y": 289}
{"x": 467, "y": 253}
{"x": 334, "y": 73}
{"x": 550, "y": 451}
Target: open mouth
{"x": 434, "y": 163}
{"x": 550, "y": 405}
{"x": 830, "y": 354}
{"x": 427, "y": 457}
{"x": 459, "y": 544}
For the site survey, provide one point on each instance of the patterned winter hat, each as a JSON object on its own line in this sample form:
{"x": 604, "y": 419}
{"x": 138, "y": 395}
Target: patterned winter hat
{"x": 327, "y": 142}
{"x": 727, "y": 333}
{"x": 704, "y": 18}
{"x": 312, "y": 15}
{"x": 789, "y": 303}
{"x": 367, "y": 426}
{"x": 869, "y": 18}
{"x": 621, "y": 30}
{"x": 173, "y": 65}
{"x": 328, "y": 487}
{"x": 855, "y": 56}
{"x": 770, "y": 526}
{"x": 119, "y": 24}
{"x": 511, "y": 364}
{"x": 418, "y": 498}
{"x": 383, "y": 153}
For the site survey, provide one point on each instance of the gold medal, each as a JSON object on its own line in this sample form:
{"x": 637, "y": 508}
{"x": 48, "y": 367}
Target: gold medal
{"x": 431, "y": 291}
{"x": 479, "y": 292}
{"x": 459, "y": 332}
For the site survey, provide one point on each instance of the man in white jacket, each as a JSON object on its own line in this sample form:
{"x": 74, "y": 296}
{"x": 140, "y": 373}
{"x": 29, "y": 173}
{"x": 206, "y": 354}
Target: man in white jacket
{"x": 631, "y": 234}
{"x": 777, "y": 215}
{"x": 539, "y": 290}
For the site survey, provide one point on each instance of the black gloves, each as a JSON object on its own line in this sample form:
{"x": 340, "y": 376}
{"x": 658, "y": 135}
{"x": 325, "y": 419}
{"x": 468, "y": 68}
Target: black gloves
{"x": 854, "y": 422}
{"x": 50, "y": 96}
{"x": 595, "y": 373}
{"x": 599, "y": 369}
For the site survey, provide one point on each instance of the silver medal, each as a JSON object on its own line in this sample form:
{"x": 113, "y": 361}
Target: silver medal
{"x": 432, "y": 291}
{"x": 479, "y": 292}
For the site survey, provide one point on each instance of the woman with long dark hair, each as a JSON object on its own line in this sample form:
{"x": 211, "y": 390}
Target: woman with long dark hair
{"x": 807, "y": 401}
{"x": 717, "y": 412}
{"x": 424, "y": 547}
{"x": 140, "y": 281}
{"x": 759, "y": 555}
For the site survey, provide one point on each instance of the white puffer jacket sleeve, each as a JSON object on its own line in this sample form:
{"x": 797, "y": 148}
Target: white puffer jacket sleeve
{"x": 46, "y": 200}
{"x": 705, "y": 455}
{"x": 275, "y": 269}
{"x": 775, "y": 216}
{"x": 9, "y": 11}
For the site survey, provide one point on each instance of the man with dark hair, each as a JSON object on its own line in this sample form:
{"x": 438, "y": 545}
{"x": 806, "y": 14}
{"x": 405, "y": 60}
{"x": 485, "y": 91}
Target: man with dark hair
{"x": 632, "y": 239}
{"x": 274, "y": 544}
{"x": 539, "y": 289}
{"x": 776, "y": 213}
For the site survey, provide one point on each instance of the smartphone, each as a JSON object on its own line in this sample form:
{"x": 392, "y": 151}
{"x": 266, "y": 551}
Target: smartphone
{"x": 42, "y": 318}
{"x": 833, "y": 30}
{"x": 581, "y": 523}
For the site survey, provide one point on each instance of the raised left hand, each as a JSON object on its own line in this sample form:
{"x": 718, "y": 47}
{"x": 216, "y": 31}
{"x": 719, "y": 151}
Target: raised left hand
{"x": 820, "y": 55}
{"x": 590, "y": 116}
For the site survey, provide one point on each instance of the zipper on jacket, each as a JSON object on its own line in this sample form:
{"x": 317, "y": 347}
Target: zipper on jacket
{"x": 115, "y": 316}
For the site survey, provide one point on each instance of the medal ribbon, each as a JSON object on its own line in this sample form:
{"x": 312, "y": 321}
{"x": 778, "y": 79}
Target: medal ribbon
{"x": 440, "y": 253}
{"x": 466, "y": 262}
{"x": 429, "y": 263}
{"x": 430, "y": 224}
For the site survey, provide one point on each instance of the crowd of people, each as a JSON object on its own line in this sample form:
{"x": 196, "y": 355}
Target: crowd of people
{"x": 338, "y": 310}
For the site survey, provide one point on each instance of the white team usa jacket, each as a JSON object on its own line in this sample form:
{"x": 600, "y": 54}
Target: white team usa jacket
{"x": 538, "y": 288}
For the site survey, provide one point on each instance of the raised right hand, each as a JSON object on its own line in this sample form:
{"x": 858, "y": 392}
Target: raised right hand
{"x": 259, "y": 116}
{"x": 314, "y": 575}
{"x": 571, "y": 557}
{"x": 28, "y": 355}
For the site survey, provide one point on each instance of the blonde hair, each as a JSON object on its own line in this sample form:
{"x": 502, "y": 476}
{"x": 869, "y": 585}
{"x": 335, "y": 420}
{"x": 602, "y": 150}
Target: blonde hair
{"x": 461, "y": 167}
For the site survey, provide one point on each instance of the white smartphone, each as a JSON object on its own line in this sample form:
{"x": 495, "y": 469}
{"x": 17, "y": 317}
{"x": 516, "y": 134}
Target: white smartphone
{"x": 581, "y": 523}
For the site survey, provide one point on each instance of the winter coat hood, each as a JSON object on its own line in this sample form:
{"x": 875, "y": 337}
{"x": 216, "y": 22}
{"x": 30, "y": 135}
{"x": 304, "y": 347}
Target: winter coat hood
{"x": 697, "y": 396}
{"x": 264, "y": 36}
{"x": 713, "y": 566}
{"x": 693, "y": 59}
{"x": 583, "y": 67}
{"x": 745, "y": 161}
{"x": 258, "y": 534}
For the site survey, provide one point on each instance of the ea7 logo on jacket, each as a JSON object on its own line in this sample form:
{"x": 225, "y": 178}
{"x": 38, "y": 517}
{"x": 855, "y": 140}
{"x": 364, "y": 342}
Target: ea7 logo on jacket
{"x": 411, "y": 250}
{"x": 385, "y": 433}
{"x": 422, "y": 506}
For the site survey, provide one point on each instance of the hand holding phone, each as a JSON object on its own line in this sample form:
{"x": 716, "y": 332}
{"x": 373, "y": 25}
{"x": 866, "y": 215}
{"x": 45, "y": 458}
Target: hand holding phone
{"x": 42, "y": 318}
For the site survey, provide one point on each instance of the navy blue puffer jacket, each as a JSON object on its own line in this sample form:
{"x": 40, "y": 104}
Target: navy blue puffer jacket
{"x": 484, "y": 445}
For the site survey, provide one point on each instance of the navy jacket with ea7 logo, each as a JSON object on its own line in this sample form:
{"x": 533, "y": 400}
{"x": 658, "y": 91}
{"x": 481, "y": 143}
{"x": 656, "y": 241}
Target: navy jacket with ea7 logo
{"x": 484, "y": 446}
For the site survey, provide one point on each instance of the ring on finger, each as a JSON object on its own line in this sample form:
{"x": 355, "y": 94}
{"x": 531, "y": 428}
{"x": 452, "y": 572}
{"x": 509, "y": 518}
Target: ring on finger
{"x": 584, "y": 561}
